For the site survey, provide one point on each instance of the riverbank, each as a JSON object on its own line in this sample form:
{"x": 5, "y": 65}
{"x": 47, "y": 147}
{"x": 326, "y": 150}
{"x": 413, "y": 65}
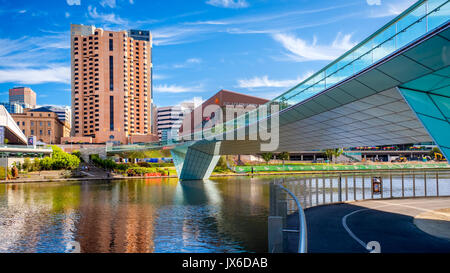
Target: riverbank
{"x": 338, "y": 167}
{"x": 98, "y": 174}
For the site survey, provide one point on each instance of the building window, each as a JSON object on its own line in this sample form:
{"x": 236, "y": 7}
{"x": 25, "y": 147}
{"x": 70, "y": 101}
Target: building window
{"x": 32, "y": 132}
{"x": 111, "y": 46}
{"x": 111, "y": 113}
{"x": 40, "y": 132}
{"x": 111, "y": 73}
{"x": 49, "y": 132}
{"x": 32, "y": 123}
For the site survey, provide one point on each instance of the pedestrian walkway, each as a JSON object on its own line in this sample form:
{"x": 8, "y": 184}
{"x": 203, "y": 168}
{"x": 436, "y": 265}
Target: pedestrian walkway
{"x": 418, "y": 225}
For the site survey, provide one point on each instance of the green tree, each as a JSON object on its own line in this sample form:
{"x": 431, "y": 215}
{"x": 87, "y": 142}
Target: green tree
{"x": 61, "y": 160}
{"x": 46, "y": 163}
{"x": 77, "y": 154}
{"x": 27, "y": 164}
{"x": 337, "y": 153}
{"x": 36, "y": 164}
{"x": 221, "y": 165}
{"x": 329, "y": 153}
{"x": 283, "y": 156}
{"x": 267, "y": 156}
{"x": 332, "y": 154}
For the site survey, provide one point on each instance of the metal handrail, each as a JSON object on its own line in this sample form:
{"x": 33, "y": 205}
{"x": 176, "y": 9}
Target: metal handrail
{"x": 346, "y": 189}
{"x": 302, "y": 237}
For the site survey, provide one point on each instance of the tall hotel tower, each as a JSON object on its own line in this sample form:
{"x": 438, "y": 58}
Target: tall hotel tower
{"x": 111, "y": 84}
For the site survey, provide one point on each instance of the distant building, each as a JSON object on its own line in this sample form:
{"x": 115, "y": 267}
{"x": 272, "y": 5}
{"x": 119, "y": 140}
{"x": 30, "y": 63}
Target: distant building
{"x": 42, "y": 123}
{"x": 64, "y": 115}
{"x": 12, "y": 108}
{"x": 111, "y": 84}
{"x": 154, "y": 119}
{"x": 24, "y": 96}
{"x": 170, "y": 119}
{"x": 223, "y": 98}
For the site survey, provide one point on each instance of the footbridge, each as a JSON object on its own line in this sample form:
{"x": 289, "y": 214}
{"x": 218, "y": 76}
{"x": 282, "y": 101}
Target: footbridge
{"x": 392, "y": 88}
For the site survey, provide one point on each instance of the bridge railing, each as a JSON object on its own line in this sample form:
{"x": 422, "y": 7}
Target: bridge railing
{"x": 416, "y": 21}
{"x": 282, "y": 204}
{"x": 324, "y": 189}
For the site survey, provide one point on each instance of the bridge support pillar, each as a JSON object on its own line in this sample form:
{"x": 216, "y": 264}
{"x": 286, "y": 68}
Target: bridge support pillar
{"x": 196, "y": 162}
{"x": 432, "y": 109}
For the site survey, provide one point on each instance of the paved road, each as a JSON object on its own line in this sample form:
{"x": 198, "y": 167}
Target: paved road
{"x": 347, "y": 228}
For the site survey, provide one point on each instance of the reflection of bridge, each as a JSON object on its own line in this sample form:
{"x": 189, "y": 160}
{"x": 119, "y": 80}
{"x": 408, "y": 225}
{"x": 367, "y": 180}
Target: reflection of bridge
{"x": 393, "y": 88}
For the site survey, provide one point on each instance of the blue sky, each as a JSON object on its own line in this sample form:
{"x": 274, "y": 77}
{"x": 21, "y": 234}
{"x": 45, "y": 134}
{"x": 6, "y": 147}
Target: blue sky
{"x": 257, "y": 47}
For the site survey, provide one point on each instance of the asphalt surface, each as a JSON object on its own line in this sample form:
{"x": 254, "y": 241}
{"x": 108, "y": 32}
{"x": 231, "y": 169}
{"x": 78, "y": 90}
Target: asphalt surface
{"x": 349, "y": 227}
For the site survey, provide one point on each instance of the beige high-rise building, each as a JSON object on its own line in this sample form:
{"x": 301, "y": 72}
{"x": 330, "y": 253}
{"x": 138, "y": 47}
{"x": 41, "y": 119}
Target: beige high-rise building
{"x": 111, "y": 84}
{"x": 24, "y": 96}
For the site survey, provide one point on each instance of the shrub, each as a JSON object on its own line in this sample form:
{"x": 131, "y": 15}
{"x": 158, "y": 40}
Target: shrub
{"x": 143, "y": 170}
{"x": 36, "y": 164}
{"x": 27, "y": 164}
{"x": 59, "y": 160}
{"x": 46, "y": 163}
{"x": 77, "y": 154}
{"x": 103, "y": 163}
{"x": 221, "y": 165}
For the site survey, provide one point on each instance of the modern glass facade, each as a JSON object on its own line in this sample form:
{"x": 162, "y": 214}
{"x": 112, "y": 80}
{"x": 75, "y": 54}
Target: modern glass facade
{"x": 429, "y": 97}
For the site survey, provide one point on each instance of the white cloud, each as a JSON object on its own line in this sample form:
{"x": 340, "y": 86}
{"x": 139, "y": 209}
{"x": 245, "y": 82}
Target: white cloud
{"x": 34, "y": 51}
{"x": 267, "y": 23}
{"x": 59, "y": 74}
{"x": 109, "y": 3}
{"x": 194, "y": 61}
{"x": 31, "y": 60}
{"x": 173, "y": 88}
{"x": 73, "y": 2}
{"x": 233, "y": 4}
{"x": 258, "y": 82}
{"x": 67, "y": 15}
{"x": 373, "y": 2}
{"x": 300, "y": 50}
{"x": 107, "y": 18}
{"x": 22, "y": 11}
{"x": 391, "y": 9}
{"x": 159, "y": 76}
{"x": 132, "y": 2}
{"x": 172, "y": 35}
{"x": 188, "y": 62}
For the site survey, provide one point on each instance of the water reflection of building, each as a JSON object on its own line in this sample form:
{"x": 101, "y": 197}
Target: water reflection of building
{"x": 120, "y": 217}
